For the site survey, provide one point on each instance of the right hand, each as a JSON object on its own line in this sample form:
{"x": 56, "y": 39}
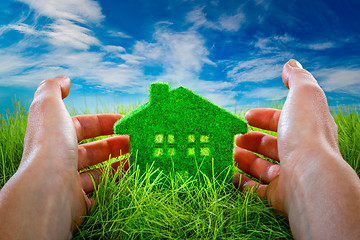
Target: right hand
{"x": 313, "y": 184}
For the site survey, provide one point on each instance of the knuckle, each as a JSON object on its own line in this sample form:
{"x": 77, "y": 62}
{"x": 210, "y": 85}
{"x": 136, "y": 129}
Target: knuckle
{"x": 47, "y": 84}
{"x": 311, "y": 88}
{"x": 45, "y": 90}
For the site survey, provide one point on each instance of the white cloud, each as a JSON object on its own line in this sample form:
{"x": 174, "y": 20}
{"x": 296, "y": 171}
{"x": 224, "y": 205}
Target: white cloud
{"x": 198, "y": 18}
{"x": 273, "y": 43}
{"x": 83, "y": 11}
{"x": 277, "y": 43}
{"x": 231, "y": 23}
{"x": 68, "y": 34}
{"x": 321, "y": 46}
{"x": 89, "y": 66}
{"x": 178, "y": 53}
{"x": 23, "y": 28}
{"x": 182, "y": 56}
{"x": 258, "y": 70}
{"x": 113, "y": 49}
{"x": 118, "y": 34}
{"x": 64, "y": 18}
{"x": 270, "y": 93}
{"x": 131, "y": 59}
{"x": 11, "y": 63}
{"x": 339, "y": 80}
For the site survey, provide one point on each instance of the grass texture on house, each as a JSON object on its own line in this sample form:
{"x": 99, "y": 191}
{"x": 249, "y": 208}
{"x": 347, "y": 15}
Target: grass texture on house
{"x": 178, "y": 130}
{"x": 130, "y": 206}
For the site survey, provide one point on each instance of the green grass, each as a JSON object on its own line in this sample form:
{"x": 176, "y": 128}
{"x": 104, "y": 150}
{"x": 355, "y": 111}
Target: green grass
{"x": 136, "y": 208}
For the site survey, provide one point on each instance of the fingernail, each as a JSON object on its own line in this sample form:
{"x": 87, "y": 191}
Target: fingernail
{"x": 295, "y": 63}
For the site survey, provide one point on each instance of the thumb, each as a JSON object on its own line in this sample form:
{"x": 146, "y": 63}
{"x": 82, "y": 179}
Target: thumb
{"x": 294, "y": 75}
{"x": 305, "y": 115}
{"x": 61, "y": 83}
{"x": 48, "y": 116}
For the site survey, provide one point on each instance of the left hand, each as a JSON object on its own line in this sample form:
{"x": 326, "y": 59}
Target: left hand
{"x": 47, "y": 195}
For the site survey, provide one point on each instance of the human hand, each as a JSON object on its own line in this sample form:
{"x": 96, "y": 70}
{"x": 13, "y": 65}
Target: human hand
{"x": 312, "y": 177}
{"x": 53, "y": 193}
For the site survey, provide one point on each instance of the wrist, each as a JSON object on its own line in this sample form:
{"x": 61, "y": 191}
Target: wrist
{"x": 40, "y": 193}
{"x": 319, "y": 189}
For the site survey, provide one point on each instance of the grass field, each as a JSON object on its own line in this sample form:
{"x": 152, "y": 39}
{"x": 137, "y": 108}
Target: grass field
{"x": 135, "y": 208}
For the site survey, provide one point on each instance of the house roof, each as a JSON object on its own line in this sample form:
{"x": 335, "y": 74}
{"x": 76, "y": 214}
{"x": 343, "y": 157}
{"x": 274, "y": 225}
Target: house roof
{"x": 179, "y": 109}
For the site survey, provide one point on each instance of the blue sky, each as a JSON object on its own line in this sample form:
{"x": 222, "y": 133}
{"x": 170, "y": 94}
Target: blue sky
{"x": 231, "y": 52}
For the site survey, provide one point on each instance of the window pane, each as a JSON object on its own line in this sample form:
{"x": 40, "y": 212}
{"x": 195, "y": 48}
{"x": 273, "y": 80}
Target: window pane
{"x": 171, "y": 138}
{"x": 191, "y": 151}
{"x": 171, "y": 151}
{"x": 205, "y": 151}
{"x": 159, "y": 138}
{"x": 191, "y": 138}
{"x": 158, "y": 152}
{"x": 204, "y": 139}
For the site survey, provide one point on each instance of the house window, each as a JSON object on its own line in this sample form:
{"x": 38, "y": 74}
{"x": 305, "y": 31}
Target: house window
{"x": 191, "y": 138}
{"x": 159, "y": 138}
{"x": 191, "y": 151}
{"x": 158, "y": 152}
{"x": 205, "y": 151}
{"x": 204, "y": 139}
{"x": 164, "y": 145}
{"x": 204, "y": 142}
{"x": 171, "y": 151}
{"x": 171, "y": 138}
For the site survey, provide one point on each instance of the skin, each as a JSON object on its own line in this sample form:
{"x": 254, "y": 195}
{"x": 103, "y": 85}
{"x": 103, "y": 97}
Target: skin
{"x": 46, "y": 198}
{"x": 313, "y": 185}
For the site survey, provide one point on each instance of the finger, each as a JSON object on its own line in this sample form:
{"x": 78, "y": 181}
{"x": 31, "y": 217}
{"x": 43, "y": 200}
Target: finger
{"x": 305, "y": 115}
{"x": 99, "y": 151}
{"x": 61, "y": 83}
{"x": 259, "y": 142}
{"x": 89, "y": 126}
{"x": 47, "y": 116}
{"x": 245, "y": 184}
{"x": 255, "y": 166}
{"x": 292, "y": 69}
{"x": 264, "y": 118}
{"x": 91, "y": 177}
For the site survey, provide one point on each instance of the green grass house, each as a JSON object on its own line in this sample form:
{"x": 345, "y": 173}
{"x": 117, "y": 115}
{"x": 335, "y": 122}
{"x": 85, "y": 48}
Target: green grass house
{"x": 180, "y": 130}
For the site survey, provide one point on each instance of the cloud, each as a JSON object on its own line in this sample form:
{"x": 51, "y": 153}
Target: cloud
{"x": 65, "y": 41}
{"x": 274, "y": 43}
{"x": 68, "y": 34}
{"x": 278, "y": 43}
{"x": 89, "y": 66}
{"x": 131, "y": 59}
{"x": 113, "y": 33}
{"x": 84, "y": 11}
{"x": 23, "y": 28}
{"x": 178, "y": 52}
{"x": 339, "y": 80}
{"x": 270, "y": 93}
{"x": 257, "y": 70}
{"x": 230, "y": 23}
{"x": 113, "y": 49}
{"x": 321, "y": 46}
{"x": 12, "y": 63}
{"x": 182, "y": 57}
